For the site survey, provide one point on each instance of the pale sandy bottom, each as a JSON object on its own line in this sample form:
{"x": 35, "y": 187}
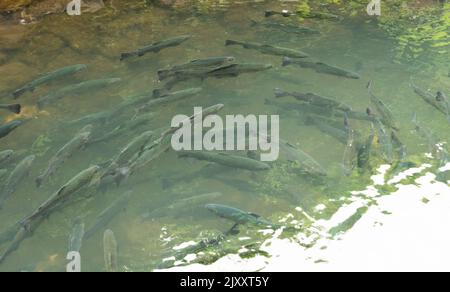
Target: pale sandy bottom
{"x": 404, "y": 231}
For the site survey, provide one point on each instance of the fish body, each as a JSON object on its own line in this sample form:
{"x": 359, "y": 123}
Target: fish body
{"x": 268, "y": 49}
{"x": 110, "y": 251}
{"x": 198, "y": 64}
{"x": 156, "y": 47}
{"x": 108, "y": 214}
{"x": 308, "y": 163}
{"x": 5, "y": 156}
{"x": 430, "y": 99}
{"x": 166, "y": 98}
{"x": 365, "y": 150}
{"x": 227, "y": 160}
{"x": 75, "y": 89}
{"x": 314, "y": 99}
{"x": 320, "y": 67}
{"x": 16, "y": 177}
{"x": 64, "y": 194}
{"x": 350, "y": 152}
{"x": 387, "y": 116}
{"x": 235, "y": 70}
{"x": 324, "y": 126}
{"x": 46, "y": 78}
{"x": 7, "y": 128}
{"x": 63, "y": 154}
{"x": 239, "y": 217}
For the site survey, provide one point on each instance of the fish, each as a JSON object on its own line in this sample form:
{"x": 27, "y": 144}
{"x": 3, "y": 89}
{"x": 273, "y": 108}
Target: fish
{"x": 110, "y": 251}
{"x": 168, "y": 97}
{"x": 324, "y": 126}
{"x": 364, "y": 152}
{"x": 156, "y": 47}
{"x": 429, "y": 98}
{"x": 443, "y": 100}
{"x": 435, "y": 146}
{"x": 387, "y": 116}
{"x": 268, "y": 49}
{"x": 384, "y": 139}
{"x": 48, "y": 77}
{"x": 307, "y": 162}
{"x": 314, "y": 99}
{"x": 74, "y": 89}
{"x": 107, "y": 215}
{"x": 198, "y": 64}
{"x": 235, "y": 70}
{"x": 15, "y": 178}
{"x": 285, "y": 27}
{"x": 182, "y": 205}
{"x": 64, "y": 194}
{"x": 229, "y": 160}
{"x": 127, "y": 127}
{"x": 320, "y": 67}
{"x": 309, "y": 14}
{"x": 399, "y": 146}
{"x": 350, "y": 153}
{"x": 7, "y": 128}
{"x": 68, "y": 150}
{"x": 6, "y": 155}
{"x": 240, "y": 217}
{"x": 30, "y": 223}
{"x": 14, "y": 108}
{"x": 76, "y": 236}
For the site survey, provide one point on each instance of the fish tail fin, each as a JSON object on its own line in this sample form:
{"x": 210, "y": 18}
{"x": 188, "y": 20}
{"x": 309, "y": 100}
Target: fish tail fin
{"x": 230, "y": 42}
{"x": 21, "y": 91}
{"x": 15, "y": 108}
{"x": 124, "y": 56}
{"x": 286, "y": 61}
{"x": 280, "y": 93}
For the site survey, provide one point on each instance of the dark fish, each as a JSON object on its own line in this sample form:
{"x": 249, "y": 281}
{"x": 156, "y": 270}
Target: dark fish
{"x": 235, "y": 70}
{"x": 46, "y": 78}
{"x": 7, "y": 128}
{"x": 268, "y": 49}
{"x": 76, "y": 236}
{"x": 314, "y": 99}
{"x": 15, "y": 108}
{"x": 75, "y": 89}
{"x": 198, "y": 64}
{"x": 226, "y": 159}
{"x": 320, "y": 67}
{"x": 399, "y": 146}
{"x": 307, "y": 162}
{"x": 108, "y": 214}
{"x": 156, "y": 47}
{"x": 386, "y": 115}
{"x": 16, "y": 177}
{"x": 239, "y": 216}
{"x": 110, "y": 251}
{"x": 443, "y": 100}
{"x": 384, "y": 139}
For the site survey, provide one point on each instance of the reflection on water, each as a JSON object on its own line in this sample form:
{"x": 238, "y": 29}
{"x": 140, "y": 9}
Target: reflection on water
{"x": 164, "y": 217}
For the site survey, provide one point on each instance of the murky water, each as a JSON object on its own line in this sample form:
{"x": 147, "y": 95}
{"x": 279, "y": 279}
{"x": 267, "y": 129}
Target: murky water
{"x": 97, "y": 40}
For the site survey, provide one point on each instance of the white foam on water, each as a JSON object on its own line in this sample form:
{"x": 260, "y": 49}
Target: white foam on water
{"x": 404, "y": 231}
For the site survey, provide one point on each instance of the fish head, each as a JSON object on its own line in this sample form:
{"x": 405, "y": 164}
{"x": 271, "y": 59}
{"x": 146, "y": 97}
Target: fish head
{"x": 218, "y": 210}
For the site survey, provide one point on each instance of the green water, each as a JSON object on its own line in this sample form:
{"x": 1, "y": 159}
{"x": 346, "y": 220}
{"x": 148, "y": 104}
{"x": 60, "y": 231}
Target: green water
{"x": 97, "y": 41}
